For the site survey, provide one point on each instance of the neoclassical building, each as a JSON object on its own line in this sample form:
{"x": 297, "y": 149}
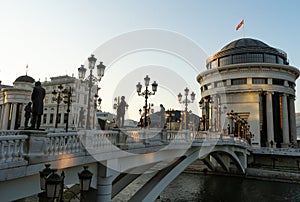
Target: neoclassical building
{"x": 13, "y": 100}
{"x": 248, "y": 90}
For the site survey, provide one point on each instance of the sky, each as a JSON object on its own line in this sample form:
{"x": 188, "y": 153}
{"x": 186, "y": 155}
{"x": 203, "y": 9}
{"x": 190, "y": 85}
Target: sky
{"x": 55, "y": 37}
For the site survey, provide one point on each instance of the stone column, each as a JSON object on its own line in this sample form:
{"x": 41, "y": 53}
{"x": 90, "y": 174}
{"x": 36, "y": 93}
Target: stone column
{"x": 23, "y": 114}
{"x": 292, "y": 120}
{"x": 62, "y": 117}
{"x": 104, "y": 183}
{"x": 13, "y": 116}
{"x": 214, "y": 117}
{"x": 270, "y": 124}
{"x": 285, "y": 122}
{"x": 1, "y": 115}
{"x": 5, "y": 116}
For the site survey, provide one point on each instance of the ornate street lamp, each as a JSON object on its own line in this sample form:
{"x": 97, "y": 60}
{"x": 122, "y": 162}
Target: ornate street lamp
{"x": 54, "y": 185}
{"x": 147, "y": 93}
{"x": 91, "y": 80}
{"x": 43, "y": 175}
{"x": 62, "y": 96}
{"x": 67, "y": 100}
{"x": 56, "y": 96}
{"x": 186, "y": 101}
{"x": 85, "y": 179}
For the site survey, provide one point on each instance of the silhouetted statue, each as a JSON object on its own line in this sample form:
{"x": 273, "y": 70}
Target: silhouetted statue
{"x": 162, "y": 116}
{"x": 37, "y": 98}
{"x": 27, "y": 113}
{"x": 81, "y": 116}
{"x": 121, "y": 112}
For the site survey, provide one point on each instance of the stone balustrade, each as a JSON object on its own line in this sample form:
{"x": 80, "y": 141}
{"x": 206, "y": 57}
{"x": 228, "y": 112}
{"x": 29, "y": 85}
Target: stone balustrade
{"x": 40, "y": 146}
{"x": 11, "y": 150}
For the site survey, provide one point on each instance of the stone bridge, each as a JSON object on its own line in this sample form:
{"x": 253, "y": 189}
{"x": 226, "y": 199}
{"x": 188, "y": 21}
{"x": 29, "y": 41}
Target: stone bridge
{"x": 116, "y": 158}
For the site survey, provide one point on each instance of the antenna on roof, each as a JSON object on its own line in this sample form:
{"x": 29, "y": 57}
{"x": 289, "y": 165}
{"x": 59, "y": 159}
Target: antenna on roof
{"x": 26, "y": 69}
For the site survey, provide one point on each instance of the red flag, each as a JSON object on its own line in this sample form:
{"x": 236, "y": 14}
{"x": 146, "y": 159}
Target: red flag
{"x": 239, "y": 25}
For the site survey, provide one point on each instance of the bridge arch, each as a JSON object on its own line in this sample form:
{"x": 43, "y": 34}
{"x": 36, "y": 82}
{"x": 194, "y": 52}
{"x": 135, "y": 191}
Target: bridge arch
{"x": 152, "y": 189}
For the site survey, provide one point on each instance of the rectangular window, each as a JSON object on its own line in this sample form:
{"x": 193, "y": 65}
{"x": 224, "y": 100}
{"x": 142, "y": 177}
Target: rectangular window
{"x": 225, "y": 61}
{"x": 278, "y": 82}
{"x": 270, "y": 58}
{"x": 259, "y": 81}
{"x": 280, "y": 60}
{"x": 51, "y": 118}
{"x": 239, "y": 58}
{"x": 44, "y": 118}
{"x": 65, "y": 118}
{"x": 239, "y": 81}
{"x": 255, "y": 57}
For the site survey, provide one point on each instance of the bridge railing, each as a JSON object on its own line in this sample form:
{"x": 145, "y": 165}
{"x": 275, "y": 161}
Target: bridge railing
{"x": 9, "y": 132}
{"x": 36, "y": 146}
{"x": 12, "y": 150}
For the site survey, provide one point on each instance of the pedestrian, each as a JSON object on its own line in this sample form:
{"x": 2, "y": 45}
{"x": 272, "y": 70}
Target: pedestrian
{"x": 37, "y": 98}
{"x": 27, "y": 113}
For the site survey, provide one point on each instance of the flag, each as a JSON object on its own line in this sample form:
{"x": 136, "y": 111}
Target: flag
{"x": 239, "y": 25}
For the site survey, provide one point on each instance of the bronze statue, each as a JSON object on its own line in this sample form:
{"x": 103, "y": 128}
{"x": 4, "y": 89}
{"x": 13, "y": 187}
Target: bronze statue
{"x": 121, "y": 112}
{"x": 37, "y": 98}
{"x": 27, "y": 114}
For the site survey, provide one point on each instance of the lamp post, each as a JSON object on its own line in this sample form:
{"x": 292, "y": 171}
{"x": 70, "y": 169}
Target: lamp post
{"x": 186, "y": 101}
{"x": 56, "y": 96}
{"x": 231, "y": 116}
{"x": 147, "y": 93}
{"x": 85, "y": 179}
{"x": 91, "y": 80}
{"x": 53, "y": 184}
{"x": 62, "y": 96}
{"x": 67, "y": 101}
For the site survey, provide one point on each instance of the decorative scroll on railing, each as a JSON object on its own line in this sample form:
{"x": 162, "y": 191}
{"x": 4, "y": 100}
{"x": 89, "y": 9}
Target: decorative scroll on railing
{"x": 12, "y": 148}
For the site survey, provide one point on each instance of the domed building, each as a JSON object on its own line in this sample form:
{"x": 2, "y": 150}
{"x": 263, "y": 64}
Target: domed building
{"x": 13, "y": 100}
{"x": 248, "y": 90}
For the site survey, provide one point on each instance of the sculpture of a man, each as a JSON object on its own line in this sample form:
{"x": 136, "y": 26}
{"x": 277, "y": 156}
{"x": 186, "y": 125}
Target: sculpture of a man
{"x": 37, "y": 98}
{"x": 121, "y": 112}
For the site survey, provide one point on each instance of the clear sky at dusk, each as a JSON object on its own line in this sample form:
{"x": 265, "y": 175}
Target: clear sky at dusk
{"x": 55, "y": 37}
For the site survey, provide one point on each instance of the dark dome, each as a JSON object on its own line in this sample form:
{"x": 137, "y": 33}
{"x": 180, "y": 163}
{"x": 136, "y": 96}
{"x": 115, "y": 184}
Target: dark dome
{"x": 246, "y": 50}
{"x": 25, "y": 78}
{"x": 245, "y": 42}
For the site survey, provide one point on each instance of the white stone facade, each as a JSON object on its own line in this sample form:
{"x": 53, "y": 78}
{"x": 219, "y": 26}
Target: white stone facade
{"x": 261, "y": 94}
{"x": 14, "y": 99}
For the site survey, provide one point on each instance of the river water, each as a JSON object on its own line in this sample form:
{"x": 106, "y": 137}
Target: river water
{"x": 212, "y": 188}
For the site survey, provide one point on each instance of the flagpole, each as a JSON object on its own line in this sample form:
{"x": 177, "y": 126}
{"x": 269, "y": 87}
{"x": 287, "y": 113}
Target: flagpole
{"x": 243, "y": 30}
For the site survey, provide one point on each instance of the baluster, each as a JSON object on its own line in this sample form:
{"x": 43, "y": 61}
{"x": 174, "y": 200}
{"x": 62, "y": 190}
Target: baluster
{"x": 9, "y": 152}
{"x": 56, "y": 143}
{"x": 76, "y": 144}
{"x": 62, "y": 144}
{"x": 15, "y": 150}
{"x": 2, "y": 152}
{"x": 21, "y": 151}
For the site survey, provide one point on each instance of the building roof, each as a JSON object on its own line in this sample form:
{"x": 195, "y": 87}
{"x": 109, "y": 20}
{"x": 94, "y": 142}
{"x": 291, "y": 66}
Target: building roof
{"x": 242, "y": 47}
{"x": 25, "y": 78}
{"x": 245, "y": 42}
